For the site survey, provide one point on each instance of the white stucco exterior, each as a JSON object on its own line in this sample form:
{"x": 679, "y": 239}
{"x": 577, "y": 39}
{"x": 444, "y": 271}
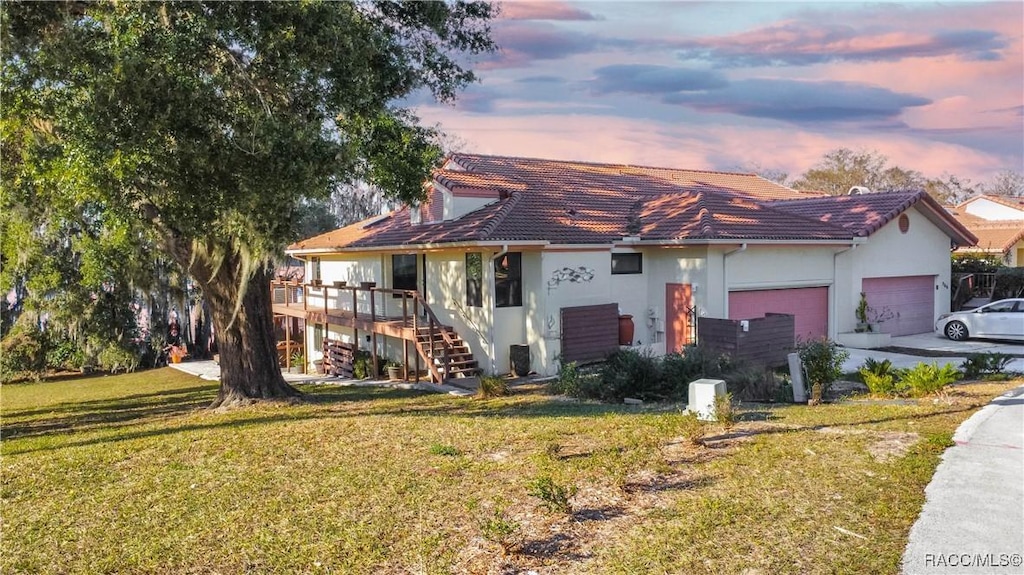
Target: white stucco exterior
{"x": 985, "y": 208}
{"x": 554, "y": 277}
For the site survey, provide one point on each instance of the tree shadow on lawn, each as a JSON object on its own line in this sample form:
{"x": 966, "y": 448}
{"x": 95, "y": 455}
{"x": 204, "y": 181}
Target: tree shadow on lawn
{"x": 340, "y": 402}
{"x": 70, "y": 407}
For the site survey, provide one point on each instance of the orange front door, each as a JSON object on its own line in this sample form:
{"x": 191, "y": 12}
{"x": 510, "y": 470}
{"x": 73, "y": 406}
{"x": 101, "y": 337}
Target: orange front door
{"x": 677, "y": 316}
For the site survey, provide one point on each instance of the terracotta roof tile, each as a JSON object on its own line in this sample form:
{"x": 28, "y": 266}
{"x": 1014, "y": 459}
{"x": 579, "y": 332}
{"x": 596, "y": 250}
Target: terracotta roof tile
{"x": 576, "y": 203}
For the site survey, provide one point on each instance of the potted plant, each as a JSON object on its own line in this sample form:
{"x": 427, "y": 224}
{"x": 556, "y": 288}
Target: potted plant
{"x": 394, "y": 369}
{"x": 862, "y": 314}
{"x": 298, "y": 363}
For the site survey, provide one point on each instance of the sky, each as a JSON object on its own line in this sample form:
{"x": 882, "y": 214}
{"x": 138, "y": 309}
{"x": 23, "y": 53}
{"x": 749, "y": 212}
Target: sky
{"x": 935, "y": 87}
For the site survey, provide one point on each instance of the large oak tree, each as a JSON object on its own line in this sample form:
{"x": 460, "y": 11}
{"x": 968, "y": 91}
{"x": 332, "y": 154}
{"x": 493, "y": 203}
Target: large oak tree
{"x": 203, "y": 126}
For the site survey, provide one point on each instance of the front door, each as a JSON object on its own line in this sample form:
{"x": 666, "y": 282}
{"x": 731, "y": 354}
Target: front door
{"x": 678, "y": 305}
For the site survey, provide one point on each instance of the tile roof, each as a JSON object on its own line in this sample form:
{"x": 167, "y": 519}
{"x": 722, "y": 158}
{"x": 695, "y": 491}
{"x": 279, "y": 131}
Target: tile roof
{"x": 582, "y": 203}
{"x": 993, "y": 235}
{"x": 1014, "y": 202}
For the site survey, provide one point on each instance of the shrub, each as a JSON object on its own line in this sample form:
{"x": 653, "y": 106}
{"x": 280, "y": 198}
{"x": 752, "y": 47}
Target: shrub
{"x": 823, "y": 362}
{"x": 492, "y": 386}
{"x": 692, "y": 428}
{"x": 568, "y": 382}
{"x": 752, "y": 383}
{"x": 976, "y": 263}
{"x": 1009, "y": 282}
{"x": 876, "y": 367}
{"x": 978, "y": 364}
{"x": 64, "y": 353}
{"x": 879, "y": 384}
{"x": 924, "y": 379}
{"x": 555, "y": 497}
{"x": 23, "y": 353}
{"x": 695, "y": 362}
{"x": 362, "y": 365}
{"x": 629, "y": 373}
{"x": 501, "y": 530}
{"x": 115, "y": 357}
{"x": 726, "y": 413}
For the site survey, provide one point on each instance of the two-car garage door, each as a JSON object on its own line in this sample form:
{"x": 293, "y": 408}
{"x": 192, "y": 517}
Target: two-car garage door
{"x": 907, "y": 303}
{"x": 808, "y": 305}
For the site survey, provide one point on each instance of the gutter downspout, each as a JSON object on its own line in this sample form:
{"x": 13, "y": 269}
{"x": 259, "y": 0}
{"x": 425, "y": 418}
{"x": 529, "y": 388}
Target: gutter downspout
{"x": 490, "y": 327}
{"x": 834, "y": 312}
{"x": 725, "y": 276}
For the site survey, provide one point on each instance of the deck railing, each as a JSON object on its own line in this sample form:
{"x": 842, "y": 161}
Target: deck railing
{"x": 379, "y": 307}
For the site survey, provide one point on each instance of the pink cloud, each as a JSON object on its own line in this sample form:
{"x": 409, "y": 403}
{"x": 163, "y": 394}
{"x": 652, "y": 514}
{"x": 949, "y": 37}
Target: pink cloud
{"x": 543, "y": 11}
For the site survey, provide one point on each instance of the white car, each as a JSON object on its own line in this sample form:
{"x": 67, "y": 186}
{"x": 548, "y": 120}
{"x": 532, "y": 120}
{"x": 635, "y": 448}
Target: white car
{"x": 1003, "y": 319}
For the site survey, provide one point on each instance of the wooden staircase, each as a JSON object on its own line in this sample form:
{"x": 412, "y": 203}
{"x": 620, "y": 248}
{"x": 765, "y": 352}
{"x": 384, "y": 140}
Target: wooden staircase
{"x": 446, "y": 353}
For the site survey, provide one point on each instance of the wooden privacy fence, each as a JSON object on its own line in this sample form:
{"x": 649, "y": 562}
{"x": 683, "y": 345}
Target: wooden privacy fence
{"x": 589, "y": 332}
{"x": 767, "y": 340}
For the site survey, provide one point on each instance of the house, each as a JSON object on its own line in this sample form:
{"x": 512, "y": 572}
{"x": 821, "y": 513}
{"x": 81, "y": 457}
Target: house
{"x": 548, "y": 254}
{"x": 1001, "y": 237}
{"x": 993, "y": 207}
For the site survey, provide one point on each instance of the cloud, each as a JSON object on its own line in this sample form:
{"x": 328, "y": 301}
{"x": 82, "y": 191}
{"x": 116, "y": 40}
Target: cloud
{"x": 649, "y": 79}
{"x": 521, "y": 43}
{"x": 544, "y": 11}
{"x": 541, "y": 80}
{"x": 801, "y": 101}
{"x": 797, "y": 43}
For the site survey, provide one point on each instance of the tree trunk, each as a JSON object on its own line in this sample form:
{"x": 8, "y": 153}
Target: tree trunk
{"x": 249, "y": 370}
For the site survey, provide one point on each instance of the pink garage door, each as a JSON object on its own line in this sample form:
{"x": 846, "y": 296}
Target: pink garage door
{"x": 808, "y": 305}
{"x": 908, "y": 302}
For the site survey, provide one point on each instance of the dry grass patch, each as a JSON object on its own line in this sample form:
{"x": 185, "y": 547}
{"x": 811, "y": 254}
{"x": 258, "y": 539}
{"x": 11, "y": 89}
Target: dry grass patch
{"x": 128, "y": 474}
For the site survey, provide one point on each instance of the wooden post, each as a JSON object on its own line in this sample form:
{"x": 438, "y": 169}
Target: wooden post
{"x": 288, "y": 344}
{"x": 355, "y": 313}
{"x": 373, "y": 334}
{"x": 416, "y": 334}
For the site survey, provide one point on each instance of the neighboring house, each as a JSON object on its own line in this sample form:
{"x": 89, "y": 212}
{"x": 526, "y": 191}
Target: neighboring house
{"x": 993, "y": 207}
{"x": 1001, "y": 237}
{"x": 514, "y": 251}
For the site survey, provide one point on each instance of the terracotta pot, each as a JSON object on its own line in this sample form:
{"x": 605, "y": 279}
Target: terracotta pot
{"x": 626, "y": 329}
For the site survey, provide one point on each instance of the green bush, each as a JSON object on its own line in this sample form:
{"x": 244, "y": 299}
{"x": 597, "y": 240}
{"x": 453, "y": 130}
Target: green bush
{"x": 66, "y": 354}
{"x": 693, "y": 428}
{"x": 501, "y": 530}
{"x": 978, "y": 364}
{"x": 568, "y": 382}
{"x": 23, "y": 353}
{"x": 492, "y": 386}
{"x": 974, "y": 263}
{"x": 876, "y": 367}
{"x": 726, "y": 413}
{"x": 362, "y": 365}
{"x": 925, "y": 379}
{"x": 116, "y": 358}
{"x": 695, "y": 362}
{"x": 629, "y": 373}
{"x": 1009, "y": 282}
{"x": 823, "y": 361}
{"x": 752, "y": 383}
{"x": 880, "y": 384}
{"x": 554, "y": 496}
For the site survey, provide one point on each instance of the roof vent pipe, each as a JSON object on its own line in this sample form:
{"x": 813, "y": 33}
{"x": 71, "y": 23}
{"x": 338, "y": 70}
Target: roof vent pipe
{"x": 858, "y": 190}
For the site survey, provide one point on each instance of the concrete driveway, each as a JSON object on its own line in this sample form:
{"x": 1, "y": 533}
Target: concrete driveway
{"x": 909, "y": 350}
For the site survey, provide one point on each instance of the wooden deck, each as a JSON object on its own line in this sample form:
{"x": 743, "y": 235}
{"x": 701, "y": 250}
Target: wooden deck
{"x": 401, "y": 314}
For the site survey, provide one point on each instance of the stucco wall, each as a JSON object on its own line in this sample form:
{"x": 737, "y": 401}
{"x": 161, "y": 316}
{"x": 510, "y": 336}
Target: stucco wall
{"x": 989, "y": 210}
{"x": 665, "y": 266}
{"x": 923, "y": 250}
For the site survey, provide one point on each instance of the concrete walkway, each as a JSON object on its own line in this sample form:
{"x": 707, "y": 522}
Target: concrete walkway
{"x": 210, "y": 370}
{"x": 973, "y": 516}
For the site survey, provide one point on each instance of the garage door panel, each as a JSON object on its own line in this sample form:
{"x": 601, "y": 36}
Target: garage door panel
{"x": 907, "y": 303}
{"x": 809, "y": 306}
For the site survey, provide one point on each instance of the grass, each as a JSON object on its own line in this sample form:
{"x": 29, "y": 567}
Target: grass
{"x": 130, "y": 474}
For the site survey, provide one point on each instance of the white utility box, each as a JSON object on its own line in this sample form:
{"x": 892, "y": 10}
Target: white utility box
{"x": 702, "y": 397}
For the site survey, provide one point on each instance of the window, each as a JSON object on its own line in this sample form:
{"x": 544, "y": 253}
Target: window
{"x": 508, "y": 280}
{"x": 474, "y": 279}
{"x": 316, "y": 270}
{"x": 403, "y": 271}
{"x": 627, "y": 264}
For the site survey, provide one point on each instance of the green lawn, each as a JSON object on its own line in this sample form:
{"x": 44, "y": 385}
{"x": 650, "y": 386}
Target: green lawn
{"x": 129, "y": 474}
